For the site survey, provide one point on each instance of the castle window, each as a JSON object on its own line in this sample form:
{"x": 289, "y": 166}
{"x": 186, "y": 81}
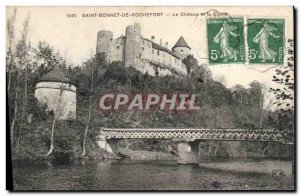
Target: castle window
{"x": 118, "y": 47}
{"x": 158, "y": 52}
{"x": 181, "y": 50}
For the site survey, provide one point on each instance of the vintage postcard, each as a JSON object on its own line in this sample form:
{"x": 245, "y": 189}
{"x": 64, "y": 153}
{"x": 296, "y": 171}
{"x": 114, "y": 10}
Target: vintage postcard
{"x": 150, "y": 98}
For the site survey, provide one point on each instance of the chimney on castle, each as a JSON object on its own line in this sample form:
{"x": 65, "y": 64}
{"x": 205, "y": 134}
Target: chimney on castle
{"x": 166, "y": 44}
{"x": 160, "y": 42}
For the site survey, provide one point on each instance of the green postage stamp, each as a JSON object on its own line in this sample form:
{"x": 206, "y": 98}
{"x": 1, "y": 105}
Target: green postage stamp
{"x": 226, "y": 40}
{"x": 265, "y": 41}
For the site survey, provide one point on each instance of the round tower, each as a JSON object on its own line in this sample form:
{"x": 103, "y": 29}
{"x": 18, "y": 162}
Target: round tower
{"x": 104, "y": 39}
{"x": 181, "y": 48}
{"x": 132, "y": 44}
{"x": 58, "y": 93}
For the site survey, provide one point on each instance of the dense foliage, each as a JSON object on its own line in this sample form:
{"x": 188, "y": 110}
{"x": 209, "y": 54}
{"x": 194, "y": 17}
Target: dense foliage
{"x": 219, "y": 108}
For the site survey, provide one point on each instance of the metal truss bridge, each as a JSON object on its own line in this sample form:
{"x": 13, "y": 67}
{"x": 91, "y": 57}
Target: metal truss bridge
{"x": 191, "y": 134}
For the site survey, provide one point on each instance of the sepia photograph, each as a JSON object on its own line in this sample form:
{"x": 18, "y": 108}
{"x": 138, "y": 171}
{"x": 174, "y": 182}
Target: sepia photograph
{"x": 150, "y": 98}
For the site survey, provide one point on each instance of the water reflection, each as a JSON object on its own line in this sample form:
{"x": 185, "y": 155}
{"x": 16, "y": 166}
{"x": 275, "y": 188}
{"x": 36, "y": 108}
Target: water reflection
{"x": 103, "y": 166}
{"x": 134, "y": 175}
{"x": 184, "y": 173}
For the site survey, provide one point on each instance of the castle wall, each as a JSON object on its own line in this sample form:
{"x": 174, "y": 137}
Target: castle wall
{"x": 145, "y": 67}
{"x": 64, "y": 105}
{"x": 117, "y": 49}
{"x": 146, "y": 50}
{"x": 161, "y": 57}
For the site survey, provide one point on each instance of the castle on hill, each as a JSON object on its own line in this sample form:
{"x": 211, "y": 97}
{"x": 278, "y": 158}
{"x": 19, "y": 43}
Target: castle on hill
{"x": 143, "y": 54}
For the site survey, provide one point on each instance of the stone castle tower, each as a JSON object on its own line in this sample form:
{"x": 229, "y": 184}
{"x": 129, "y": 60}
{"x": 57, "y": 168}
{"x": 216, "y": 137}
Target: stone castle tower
{"x": 181, "y": 48}
{"x": 58, "y": 93}
{"x": 103, "y": 41}
{"x": 143, "y": 54}
{"x": 132, "y": 44}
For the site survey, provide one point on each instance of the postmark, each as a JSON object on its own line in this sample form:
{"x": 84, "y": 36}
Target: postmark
{"x": 225, "y": 38}
{"x": 278, "y": 175}
{"x": 216, "y": 184}
{"x": 265, "y": 40}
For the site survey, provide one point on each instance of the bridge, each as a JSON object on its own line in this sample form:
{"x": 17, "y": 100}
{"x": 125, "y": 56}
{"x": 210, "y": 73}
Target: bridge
{"x": 193, "y": 134}
{"x": 188, "y": 138}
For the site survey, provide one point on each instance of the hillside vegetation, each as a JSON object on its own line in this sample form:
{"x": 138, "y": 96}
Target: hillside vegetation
{"x": 219, "y": 108}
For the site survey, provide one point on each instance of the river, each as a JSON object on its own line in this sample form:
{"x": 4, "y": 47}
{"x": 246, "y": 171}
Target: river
{"x": 143, "y": 175}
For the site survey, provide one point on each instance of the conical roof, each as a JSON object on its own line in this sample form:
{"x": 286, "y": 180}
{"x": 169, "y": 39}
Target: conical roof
{"x": 56, "y": 75}
{"x": 181, "y": 43}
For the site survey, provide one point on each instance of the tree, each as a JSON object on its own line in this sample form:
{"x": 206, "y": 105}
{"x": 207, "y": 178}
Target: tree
{"x": 92, "y": 67}
{"x": 266, "y": 104}
{"x": 284, "y": 79}
{"x": 284, "y": 93}
{"x": 261, "y": 99}
{"x": 201, "y": 73}
{"x": 22, "y": 53}
{"x": 21, "y": 67}
{"x": 11, "y": 43}
{"x": 58, "y": 111}
{"x": 48, "y": 60}
{"x": 190, "y": 62}
{"x": 12, "y": 127}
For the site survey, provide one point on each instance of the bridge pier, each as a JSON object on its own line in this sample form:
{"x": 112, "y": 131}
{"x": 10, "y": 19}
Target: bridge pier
{"x": 114, "y": 145}
{"x": 185, "y": 153}
{"x": 102, "y": 143}
{"x": 195, "y": 145}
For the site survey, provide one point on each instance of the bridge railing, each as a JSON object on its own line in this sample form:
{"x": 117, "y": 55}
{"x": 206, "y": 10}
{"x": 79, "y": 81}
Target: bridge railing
{"x": 194, "y": 134}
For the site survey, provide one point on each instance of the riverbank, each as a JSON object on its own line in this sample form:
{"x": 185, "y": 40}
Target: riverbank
{"x": 278, "y": 172}
{"x": 250, "y": 166}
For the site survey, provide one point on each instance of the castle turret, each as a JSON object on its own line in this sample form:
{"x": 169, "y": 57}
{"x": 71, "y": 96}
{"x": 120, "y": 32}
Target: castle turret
{"x": 58, "y": 93}
{"x": 132, "y": 44}
{"x": 104, "y": 39}
{"x": 181, "y": 48}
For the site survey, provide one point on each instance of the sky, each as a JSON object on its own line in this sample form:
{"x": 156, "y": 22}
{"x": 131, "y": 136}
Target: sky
{"x": 76, "y": 37}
